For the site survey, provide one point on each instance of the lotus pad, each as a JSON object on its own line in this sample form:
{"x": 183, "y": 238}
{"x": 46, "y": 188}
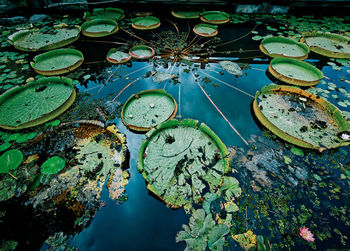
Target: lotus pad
{"x": 28, "y": 40}
{"x": 117, "y": 57}
{"x": 284, "y": 47}
{"x": 99, "y": 28}
{"x": 35, "y": 103}
{"x": 141, "y": 52}
{"x": 107, "y": 13}
{"x": 206, "y": 30}
{"x": 300, "y": 117}
{"x": 57, "y": 61}
{"x": 181, "y": 161}
{"x": 215, "y": 17}
{"x": 148, "y": 109}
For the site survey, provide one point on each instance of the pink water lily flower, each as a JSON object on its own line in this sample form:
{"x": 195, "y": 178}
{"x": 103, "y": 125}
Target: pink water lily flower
{"x": 306, "y": 234}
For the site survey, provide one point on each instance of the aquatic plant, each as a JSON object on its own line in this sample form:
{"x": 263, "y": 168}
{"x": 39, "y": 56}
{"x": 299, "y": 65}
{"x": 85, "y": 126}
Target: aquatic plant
{"x": 10, "y": 160}
{"x": 306, "y": 234}
{"x": 53, "y": 165}
{"x": 105, "y": 13}
{"x": 99, "y": 28}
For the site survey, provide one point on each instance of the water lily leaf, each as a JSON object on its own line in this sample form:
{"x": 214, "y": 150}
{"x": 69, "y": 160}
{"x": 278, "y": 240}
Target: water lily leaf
{"x": 99, "y": 28}
{"x": 230, "y": 188}
{"x": 145, "y": 23}
{"x": 117, "y": 57}
{"x": 190, "y": 13}
{"x": 161, "y": 76}
{"x": 297, "y": 151}
{"x": 247, "y": 240}
{"x": 215, "y": 17}
{"x": 53, "y": 165}
{"x": 216, "y": 237}
{"x": 10, "y": 160}
{"x": 106, "y": 13}
{"x": 231, "y": 67}
{"x": 141, "y": 52}
{"x": 5, "y": 146}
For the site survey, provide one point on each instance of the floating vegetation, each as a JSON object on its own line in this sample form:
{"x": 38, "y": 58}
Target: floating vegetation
{"x": 57, "y": 62}
{"x": 284, "y": 47}
{"x": 147, "y": 109}
{"x": 295, "y": 72}
{"x": 145, "y": 23}
{"x": 99, "y": 28}
{"x": 180, "y": 160}
{"x": 205, "y": 30}
{"x": 328, "y": 44}
{"x": 215, "y": 17}
{"x": 36, "y": 102}
{"x": 10, "y": 160}
{"x": 231, "y": 67}
{"x": 106, "y": 13}
{"x": 184, "y": 13}
{"x": 32, "y": 40}
{"x": 141, "y": 52}
{"x": 161, "y": 76}
{"x": 117, "y": 57}
{"x": 300, "y": 117}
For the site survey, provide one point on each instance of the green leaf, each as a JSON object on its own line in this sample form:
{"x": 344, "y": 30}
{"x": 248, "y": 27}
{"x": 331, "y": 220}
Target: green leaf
{"x": 10, "y": 160}
{"x": 297, "y": 151}
{"x": 53, "y": 165}
{"x": 5, "y": 146}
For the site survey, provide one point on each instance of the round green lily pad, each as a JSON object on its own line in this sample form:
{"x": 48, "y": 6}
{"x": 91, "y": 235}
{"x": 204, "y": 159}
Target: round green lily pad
{"x": 10, "y": 160}
{"x": 215, "y": 17}
{"x": 145, "y": 23}
{"x": 5, "y": 146}
{"x": 300, "y": 117}
{"x": 117, "y": 57}
{"x": 205, "y": 30}
{"x": 295, "y": 72}
{"x": 186, "y": 13}
{"x": 53, "y": 165}
{"x": 182, "y": 161}
{"x": 99, "y": 28}
{"x": 105, "y": 13}
{"x": 146, "y": 109}
{"x": 57, "y": 62}
{"x": 328, "y": 44}
{"x": 141, "y": 52}
{"x": 36, "y": 102}
{"x": 32, "y": 40}
{"x": 284, "y": 47}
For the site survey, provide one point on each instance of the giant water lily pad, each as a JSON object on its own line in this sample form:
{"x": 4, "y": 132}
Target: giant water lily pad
{"x": 186, "y": 13}
{"x": 117, "y": 57}
{"x": 284, "y": 47}
{"x": 181, "y": 161}
{"x": 106, "y": 13}
{"x": 295, "y": 72}
{"x": 205, "y": 30}
{"x": 328, "y": 44}
{"x": 146, "y": 109}
{"x": 215, "y": 17}
{"x": 99, "y": 28}
{"x": 32, "y": 40}
{"x": 231, "y": 67}
{"x": 300, "y": 117}
{"x": 10, "y": 160}
{"x": 145, "y": 23}
{"x": 36, "y": 102}
{"x": 141, "y": 52}
{"x": 57, "y": 62}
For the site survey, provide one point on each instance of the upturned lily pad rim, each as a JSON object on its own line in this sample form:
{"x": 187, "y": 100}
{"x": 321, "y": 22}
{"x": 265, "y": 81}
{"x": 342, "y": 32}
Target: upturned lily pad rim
{"x": 339, "y": 119}
{"x": 141, "y": 57}
{"x": 13, "y": 38}
{"x": 283, "y": 40}
{"x": 225, "y": 17}
{"x": 214, "y": 27}
{"x": 179, "y": 13}
{"x": 54, "y": 53}
{"x": 144, "y": 27}
{"x": 97, "y": 11}
{"x": 132, "y": 98}
{"x": 290, "y": 80}
{"x": 87, "y": 24}
{"x": 45, "y": 117}
{"x": 325, "y": 52}
{"x": 111, "y": 60}
{"x": 176, "y": 123}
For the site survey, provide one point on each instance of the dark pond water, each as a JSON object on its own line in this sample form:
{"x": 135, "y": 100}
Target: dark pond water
{"x": 143, "y": 222}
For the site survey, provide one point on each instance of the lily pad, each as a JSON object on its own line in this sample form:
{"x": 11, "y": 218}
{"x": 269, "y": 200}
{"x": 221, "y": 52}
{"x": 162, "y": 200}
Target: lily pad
{"x": 231, "y": 67}
{"x": 186, "y": 13}
{"x": 284, "y": 47}
{"x": 141, "y": 52}
{"x": 145, "y": 23}
{"x": 57, "y": 62}
{"x": 215, "y": 17}
{"x": 53, "y": 165}
{"x": 36, "y": 102}
{"x": 181, "y": 161}
{"x": 105, "y": 13}
{"x": 32, "y": 40}
{"x": 161, "y": 76}
{"x": 295, "y": 72}
{"x": 328, "y": 44}
{"x": 117, "y": 57}
{"x": 300, "y": 117}
{"x": 99, "y": 28}
{"x": 205, "y": 30}
{"x": 147, "y": 109}
{"x": 10, "y": 160}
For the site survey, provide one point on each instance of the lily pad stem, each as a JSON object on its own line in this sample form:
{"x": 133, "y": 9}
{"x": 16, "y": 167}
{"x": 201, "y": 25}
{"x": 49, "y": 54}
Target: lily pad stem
{"x": 13, "y": 176}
